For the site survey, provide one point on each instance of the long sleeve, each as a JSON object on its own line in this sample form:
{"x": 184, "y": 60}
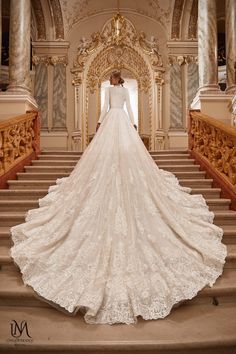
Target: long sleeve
{"x": 105, "y": 105}
{"x": 128, "y": 106}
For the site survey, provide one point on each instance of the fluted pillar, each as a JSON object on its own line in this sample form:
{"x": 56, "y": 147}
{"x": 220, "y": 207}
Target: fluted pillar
{"x": 230, "y": 32}
{"x": 19, "y": 51}
{"x": 207, "y": 46}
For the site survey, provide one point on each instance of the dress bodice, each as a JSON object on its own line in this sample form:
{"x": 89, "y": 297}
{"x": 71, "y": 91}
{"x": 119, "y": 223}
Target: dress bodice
{"x": 115, "y": 97}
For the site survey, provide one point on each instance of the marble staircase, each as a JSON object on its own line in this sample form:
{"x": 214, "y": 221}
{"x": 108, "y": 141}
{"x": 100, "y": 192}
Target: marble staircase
{"x": 205, "y": 324}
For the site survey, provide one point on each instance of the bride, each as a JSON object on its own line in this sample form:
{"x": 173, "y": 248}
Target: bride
{"x": 119, "y": 237}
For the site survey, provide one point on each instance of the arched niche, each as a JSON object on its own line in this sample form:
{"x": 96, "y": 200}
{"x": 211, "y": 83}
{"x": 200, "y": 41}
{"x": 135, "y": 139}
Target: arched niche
{"x": 134, "y": 54}
{"x": 129, "y": 61}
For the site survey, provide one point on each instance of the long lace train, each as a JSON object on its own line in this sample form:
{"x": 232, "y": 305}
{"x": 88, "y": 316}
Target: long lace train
{"x": 119, "y": 237}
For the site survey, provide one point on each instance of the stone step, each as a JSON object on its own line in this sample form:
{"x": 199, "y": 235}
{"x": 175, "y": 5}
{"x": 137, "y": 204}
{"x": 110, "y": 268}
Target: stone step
{"x": 174, "y": 161}
{"x": 179, "y": 168}
{"x": 30, "y": 184}
{"x": 44, "y": 162}
{"x": 5, "y": 258}
{"x": 10, "y": 218}
{"x": 171, "y": 157}
{"x": 26, "y": 204}
{"x": 61, "y": 152}
{"x": 229, "y": 237}
{"x": 13, "y": 291}
{"x": 207, "y": 192}
{"x": 51, "y": 175}
{"x": 63, "y": 163}
{"x": 58, "y": 169}
{"x": 69, "y": 168}
{"x": 59, "y": 157}
{"x": 196, "y": 183}
{"x": 19, "y": 194}
{"x": 218, "y": 204}
{"x": 41, "y": 184}
{"x": 74, "y": 157}
{"x": 227, "y": 217}
{"x": 41, "y": 175}
{"x": 18, "y": 205}
{"x": 169, "y": 152}
{"x": 201, "y": 329}
{"x": 5, "y": 237}
{"x": 74, "y": 152}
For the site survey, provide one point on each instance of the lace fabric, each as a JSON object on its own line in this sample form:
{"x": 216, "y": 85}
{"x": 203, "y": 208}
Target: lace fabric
{"x": 119, "y": 237}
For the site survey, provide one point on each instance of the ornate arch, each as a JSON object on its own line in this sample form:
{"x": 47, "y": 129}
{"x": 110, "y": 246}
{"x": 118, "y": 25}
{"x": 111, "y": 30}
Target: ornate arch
{"x": 129, "y": 50}
{"x": 121, "y": 57}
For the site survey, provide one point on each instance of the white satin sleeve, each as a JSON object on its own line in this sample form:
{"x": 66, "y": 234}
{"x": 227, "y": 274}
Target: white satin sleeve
{"x": 105, "y": 105}
{"x": 128, "y": 106}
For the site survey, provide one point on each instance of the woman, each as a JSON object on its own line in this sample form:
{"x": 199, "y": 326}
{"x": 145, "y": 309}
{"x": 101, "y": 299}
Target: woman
{"x": 118, "y": 238}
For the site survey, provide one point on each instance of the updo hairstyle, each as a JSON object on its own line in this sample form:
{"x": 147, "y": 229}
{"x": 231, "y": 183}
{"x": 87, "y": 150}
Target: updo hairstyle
{"x": 117, "y": 74}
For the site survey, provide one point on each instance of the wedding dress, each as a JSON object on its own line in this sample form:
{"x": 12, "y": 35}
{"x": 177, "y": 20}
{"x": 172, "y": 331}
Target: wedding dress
{"x": 119, "y": 237}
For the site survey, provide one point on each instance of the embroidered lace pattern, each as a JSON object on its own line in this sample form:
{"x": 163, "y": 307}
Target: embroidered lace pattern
{"x": 119, "y": 237}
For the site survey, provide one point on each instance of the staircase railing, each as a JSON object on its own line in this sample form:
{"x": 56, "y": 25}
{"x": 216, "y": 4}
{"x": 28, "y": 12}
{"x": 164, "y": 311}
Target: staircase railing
{"x": 19, "y": 144}
{"x": 213, "y": 145}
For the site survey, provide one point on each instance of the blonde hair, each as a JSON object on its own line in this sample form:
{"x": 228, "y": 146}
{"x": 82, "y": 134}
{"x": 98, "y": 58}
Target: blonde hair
{"x": 117, "y": 74}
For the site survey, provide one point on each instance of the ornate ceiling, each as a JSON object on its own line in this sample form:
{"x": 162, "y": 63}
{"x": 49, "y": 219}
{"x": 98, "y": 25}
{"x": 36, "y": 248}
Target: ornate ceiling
{"x": 75, "y": 10}
{"x": 62, "y": 15}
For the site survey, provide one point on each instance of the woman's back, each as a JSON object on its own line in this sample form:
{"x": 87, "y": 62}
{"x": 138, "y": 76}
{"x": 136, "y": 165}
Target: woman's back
{"x": 116, "y": 96}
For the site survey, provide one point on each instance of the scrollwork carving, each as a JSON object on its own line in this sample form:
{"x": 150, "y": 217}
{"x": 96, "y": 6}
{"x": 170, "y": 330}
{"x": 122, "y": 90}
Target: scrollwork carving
{"x": 85, "y": 48}
{"x": 55, "y": 60}
{"x": 117, "y": 37}
{"x": 177, "y": 59}
{"x": 151, "y": 48}
{"x": 120, "y": 57}
{"x": 17, "y": 140}
{"x": 40, "y": 60}
{"x": 216, "y": 143}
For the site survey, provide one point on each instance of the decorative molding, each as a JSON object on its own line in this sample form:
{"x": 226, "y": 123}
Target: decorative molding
{"x": 39, "y": 17}
{"x": 36, "y": 60}
{"x": 182, "y": 59}
{"x": 47, "y": 60}
{"x": 182, "y": 44}
{"x": 192, "y": 29}
{"x": 177, "y": 59}
{"x": 120, "y": 58}
{"x": 129, "y": 37}
{"x": 176, "y": 19}
{"x": 58, "y": 19}
{"x": 56, "y": 59}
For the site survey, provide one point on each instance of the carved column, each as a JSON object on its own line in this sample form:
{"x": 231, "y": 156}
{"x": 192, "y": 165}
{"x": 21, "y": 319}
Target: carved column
{"x": 176, "y": 92}
{"x": 192, "y": 78}
{"x": 41, "y": 87}
{"x": 59, "y": 92}
{"x": 159, "y": 132}
{"x": 19, "y": 52}
{"x": 230, "y": 32}
{"x": 207, "y": 46}
{"x": 77, "y": 134}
